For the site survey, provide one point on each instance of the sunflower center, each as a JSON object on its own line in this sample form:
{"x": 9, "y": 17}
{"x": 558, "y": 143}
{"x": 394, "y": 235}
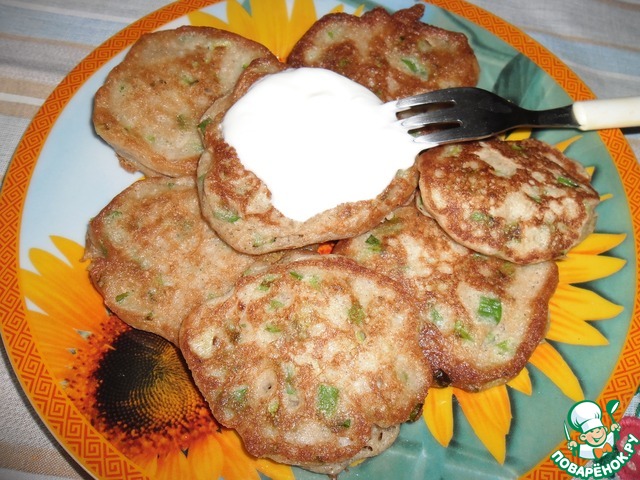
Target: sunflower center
{"x": 143, "y": 386}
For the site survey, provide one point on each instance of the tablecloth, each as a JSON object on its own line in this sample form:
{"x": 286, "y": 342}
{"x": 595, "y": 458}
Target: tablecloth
{"x": 42, "y": 40}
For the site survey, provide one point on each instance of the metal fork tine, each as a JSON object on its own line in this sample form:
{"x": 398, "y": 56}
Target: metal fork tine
{"x": 448, "y": 135}
{"x": 440, "y": 116}
{"x": 437, "y": 96}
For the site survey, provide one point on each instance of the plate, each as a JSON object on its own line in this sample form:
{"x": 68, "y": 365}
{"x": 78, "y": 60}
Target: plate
{"x": 71, "y": 356}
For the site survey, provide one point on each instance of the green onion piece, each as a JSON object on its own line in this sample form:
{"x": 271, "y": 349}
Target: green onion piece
{"x": 226, "y": 215}
{"x": 203, "y": 125}
{"x": 122, "y": 296}
{"x": 271, "y": 328}
{"x": 276, "y": 304}
{"x": 295, "y": 275}
{"x": 490, "y": 308}
{"x": 374, "y": 243}
{"x": 114, "y": 214}
{"x": 504, "y": 346}
{"x": 356, "y": 314}
{"x": 327, "y": 400}
{"x": 567, "y": 182}
{"x": 273, "y": 406}
{"x": 436, "y": 317}
{"x": 414, "y": 67}
{"x": 461, "y": 331}
{"x": 481, "y": 217}
{"x": 346, "y": 423}
{"x": 266, "y": 283}
{"x": 239, "y": 397}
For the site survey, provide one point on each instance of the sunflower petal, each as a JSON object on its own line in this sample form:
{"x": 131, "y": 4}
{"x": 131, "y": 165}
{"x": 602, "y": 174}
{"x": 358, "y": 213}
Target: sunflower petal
{"x": 578, "y": 268}
{"x": 438, "y": 414}
{"x": 522, "y": 382}
{"x": 273, "y": 470}
{"x": 598, "y": 243}
{"x": 201, "y": 19}
{"x": 562, "y": 146}
{"x": 550, "y": 362}
{"x": 303, "y": 15}
{"x": 568, "y": 328}
{"x": 206, "y": 458}
{"x": 238, "y": 465}
{"x": 583, "y": 303}
{"x": 489, "y": 414}
{"x": 518, "y": 134}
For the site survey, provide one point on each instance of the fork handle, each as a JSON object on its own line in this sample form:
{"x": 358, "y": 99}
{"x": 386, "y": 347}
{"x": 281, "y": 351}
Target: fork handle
{"x": 601, "y": 114}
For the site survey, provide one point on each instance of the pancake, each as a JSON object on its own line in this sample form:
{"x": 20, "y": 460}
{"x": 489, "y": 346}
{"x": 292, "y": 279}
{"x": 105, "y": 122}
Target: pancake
{"x": 393, "y": 55}
{"x": 153, "y": 257}
{"x": 482, "y": 317}
{"x": 237, "y": 203}
{"x": 314, "y": 361}
{"x": 522, "y": 201}
{"x": 149, "y": 107}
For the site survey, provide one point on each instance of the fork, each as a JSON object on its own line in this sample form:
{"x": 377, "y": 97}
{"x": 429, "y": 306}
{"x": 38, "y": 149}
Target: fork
{"x": 469, "y": 113}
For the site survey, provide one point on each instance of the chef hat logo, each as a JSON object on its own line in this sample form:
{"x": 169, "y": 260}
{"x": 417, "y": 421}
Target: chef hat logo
{"x": 585, "y": 416}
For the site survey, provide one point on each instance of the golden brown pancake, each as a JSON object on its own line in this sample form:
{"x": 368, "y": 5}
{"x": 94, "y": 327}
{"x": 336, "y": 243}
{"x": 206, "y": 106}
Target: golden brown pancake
{"x": 310, "y": 361}
{"x": 393, "y": 55}
{"x": 522, "y": 201}
{"x": 482, "y": 317}
{"x": 154, "y": 259}
{"x": 237, "y": 204}
{"x": 150, "y": 105}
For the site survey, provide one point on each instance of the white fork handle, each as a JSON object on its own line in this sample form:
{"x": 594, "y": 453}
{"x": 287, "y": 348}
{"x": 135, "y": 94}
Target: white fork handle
{"x": 614, "y": 113}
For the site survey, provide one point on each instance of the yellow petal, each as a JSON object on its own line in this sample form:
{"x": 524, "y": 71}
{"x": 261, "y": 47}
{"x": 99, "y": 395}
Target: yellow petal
{"x": 578, "y": 268}
{"x": 518, "y": 134}
{"x": 583, "y": 303}
{"x": 562, "y": 146}
{"x": 438, "y": 414}
{"x": 489, "y": 414}
{"x": 550, "y": 362}
{"x": 522, "y": 382}
{"x": 273, "y": 470}
{"x": 237, "y": 463}
{"x": 568, "y": 328}
{"x": 206, "y": 458}
{"x": 201, "y": 19}
{"x": 606, "y": 196}
{"x": 597, "y": 243}
{"x": 303, "y": 16}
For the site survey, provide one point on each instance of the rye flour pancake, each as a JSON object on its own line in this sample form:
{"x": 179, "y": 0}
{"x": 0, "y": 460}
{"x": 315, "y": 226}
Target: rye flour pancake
{"x": 482, "y": 316}
{"x": 393, "y": 55}
{"x": 237, "y": 203}
{"x": 315, "y": 361}
{"x": 153, "y": 257}
{"x": 150, "y": 105}
{"x": 522, "y": 201}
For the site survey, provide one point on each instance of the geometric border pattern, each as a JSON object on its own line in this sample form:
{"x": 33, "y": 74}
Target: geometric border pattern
{"x": 66, "y": 423}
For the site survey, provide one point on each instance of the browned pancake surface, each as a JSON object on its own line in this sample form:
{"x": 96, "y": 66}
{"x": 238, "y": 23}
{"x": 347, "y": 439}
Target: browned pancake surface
{"x": 154, "y": 258}
{"x": 237, "y": 203}
{"x": 308, "y": 359}
{"x": 523, "y": 201}
{"x": 482, "y": 316}
{"x": 393, "y": 55}
{"x": 150, "y": 105}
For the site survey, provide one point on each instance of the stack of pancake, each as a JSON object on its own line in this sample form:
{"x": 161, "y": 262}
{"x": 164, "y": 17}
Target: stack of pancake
{"x": 316, "y": 358}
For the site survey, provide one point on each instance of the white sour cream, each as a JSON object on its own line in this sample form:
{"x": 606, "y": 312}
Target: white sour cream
{"x": 317, "y": 139}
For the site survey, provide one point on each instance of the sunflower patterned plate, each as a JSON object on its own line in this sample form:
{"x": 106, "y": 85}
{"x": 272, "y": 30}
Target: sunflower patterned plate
{"x": 121, "y": 401}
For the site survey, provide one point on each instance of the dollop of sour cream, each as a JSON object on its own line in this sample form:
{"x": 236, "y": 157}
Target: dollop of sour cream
{"x": 317, "y": 139}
